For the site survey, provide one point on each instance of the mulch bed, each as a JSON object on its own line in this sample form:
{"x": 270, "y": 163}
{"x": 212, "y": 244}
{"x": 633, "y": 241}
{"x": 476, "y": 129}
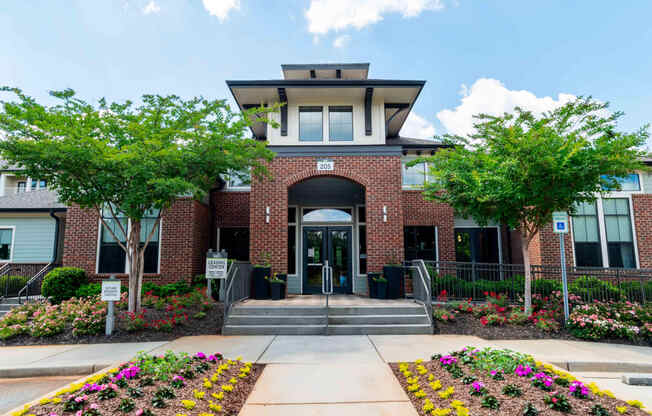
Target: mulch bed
{"x": 508, "y": 405}
{"x": 210, "y": 325}
{"x": 231, "y": 403}
{"x": 467, "y": 324}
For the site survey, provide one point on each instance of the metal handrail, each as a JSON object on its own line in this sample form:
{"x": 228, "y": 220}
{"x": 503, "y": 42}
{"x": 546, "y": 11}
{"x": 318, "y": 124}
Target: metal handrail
{"x": 424, "y": 278}
{"x": 38, "y": 275}
{"x": 228, "y": 302}
{"x": 5, "y": 269}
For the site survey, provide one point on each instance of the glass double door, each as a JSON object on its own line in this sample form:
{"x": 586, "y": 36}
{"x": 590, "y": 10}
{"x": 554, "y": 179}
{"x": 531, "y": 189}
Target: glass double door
{"x": 332, "y": 244}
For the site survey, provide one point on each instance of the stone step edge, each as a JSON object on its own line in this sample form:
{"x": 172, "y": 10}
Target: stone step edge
{"x": 52, "y": 370}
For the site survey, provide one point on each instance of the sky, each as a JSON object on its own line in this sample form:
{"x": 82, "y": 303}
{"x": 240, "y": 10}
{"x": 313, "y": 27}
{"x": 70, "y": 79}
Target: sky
{"x": 476, "y": 55}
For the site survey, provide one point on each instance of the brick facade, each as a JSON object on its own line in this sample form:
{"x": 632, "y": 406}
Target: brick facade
{"x": 379, "y": 175}
{"x": 184, "y": 240}
{"x": 642, "y": 206}
{"x": 231, "y": 209}
{"x": 418, "y": 211}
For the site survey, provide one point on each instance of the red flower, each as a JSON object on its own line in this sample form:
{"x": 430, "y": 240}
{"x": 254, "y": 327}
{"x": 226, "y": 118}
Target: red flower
{"x": 486, "y": 293}
{"x": 443, "y": 292}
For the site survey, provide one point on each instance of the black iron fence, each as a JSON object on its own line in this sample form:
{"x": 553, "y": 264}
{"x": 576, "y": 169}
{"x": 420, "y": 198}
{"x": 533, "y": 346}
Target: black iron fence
{"x": 460, "y": 280}
{"x": 14, "y": 277}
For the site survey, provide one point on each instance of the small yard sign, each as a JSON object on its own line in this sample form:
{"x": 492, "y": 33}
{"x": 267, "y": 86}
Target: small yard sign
{"x": 110, "y": 290}
{"x": 560, "y": 222}
{"x": 325, "y": 164}
{"x": 216, "y": 268}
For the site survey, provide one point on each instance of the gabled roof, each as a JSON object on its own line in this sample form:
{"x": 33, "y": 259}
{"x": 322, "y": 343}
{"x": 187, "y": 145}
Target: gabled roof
{"x": 39, "y": 200}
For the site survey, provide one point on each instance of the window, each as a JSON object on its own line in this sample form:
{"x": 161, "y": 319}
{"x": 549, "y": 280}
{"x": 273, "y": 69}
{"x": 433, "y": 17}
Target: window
{"x": 420, "y": 243}
{"x": 34, "y": 183}
{"x": 292, "y": 240}
{"x": 21, "y": 186}
{"x": 239, "y": 180}
{"x": 42, "y": 184}
{"x": 618, "y": 226}
{"x": 327, "y": 215}
{"x": 112, "y": 258}
{"x": 362, "y": 241}
{"x": 6, "y": 243}
{"x": 235, "y": 241}
{"x": 340, "y": 124}
{"x": 627, "y": 183}
{"x": 586, "y": 234}
{"x": 310, "y": 124}
{"x": 414, "y": 176}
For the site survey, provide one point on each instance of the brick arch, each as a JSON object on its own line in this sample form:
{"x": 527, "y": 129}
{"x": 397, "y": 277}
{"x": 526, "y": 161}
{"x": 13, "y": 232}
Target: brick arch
{"x": 314, "y": 173}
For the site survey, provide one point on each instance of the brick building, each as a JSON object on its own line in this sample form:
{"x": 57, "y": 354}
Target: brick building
{"x": 340, "y": 191}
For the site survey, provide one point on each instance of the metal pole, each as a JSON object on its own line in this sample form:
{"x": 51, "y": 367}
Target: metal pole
{"x": 110, "y": 315}
{"x": 563, "y": 276}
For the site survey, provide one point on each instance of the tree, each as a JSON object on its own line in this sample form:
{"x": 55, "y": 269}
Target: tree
{"x": 129, "y": 160}
{"x": 517, "y": 169}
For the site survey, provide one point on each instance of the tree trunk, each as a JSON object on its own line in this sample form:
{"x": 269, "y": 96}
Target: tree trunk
{"x": 528, "y": 273}
{"x": 135, "y": 257}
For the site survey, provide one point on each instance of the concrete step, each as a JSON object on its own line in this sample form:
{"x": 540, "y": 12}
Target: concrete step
{"x": 378, "y": 319}
{"x": 276, "y": 319}
{"x": 273, "y": 330}
{"x": 376, "y": 310}
{"x": 280, "y": 310}
{"x": 413, "y": 329}
{"x": 9, "y": 301}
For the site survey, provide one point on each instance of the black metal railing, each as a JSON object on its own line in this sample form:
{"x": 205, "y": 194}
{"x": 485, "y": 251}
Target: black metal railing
{"x": 32, "y": 288}
{"x": 15, "y": 276}
{"x": 421, "y": 285}
{"x": 237, "y": 285}
{"x": 461, "y": 280}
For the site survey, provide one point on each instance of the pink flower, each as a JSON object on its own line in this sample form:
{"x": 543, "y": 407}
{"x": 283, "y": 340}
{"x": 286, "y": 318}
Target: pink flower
{"x": 94, "y": 406}
{"x": 554, "y": 400}
{"x": 139, "y": 412}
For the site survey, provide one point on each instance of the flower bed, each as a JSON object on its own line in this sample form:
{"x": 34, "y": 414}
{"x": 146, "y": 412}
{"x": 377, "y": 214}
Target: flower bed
{"x": 502, "y": 382}
{"x": 82, "y": 320}
{"x": 169, "y": 384}
{"x": 623, "y": 322}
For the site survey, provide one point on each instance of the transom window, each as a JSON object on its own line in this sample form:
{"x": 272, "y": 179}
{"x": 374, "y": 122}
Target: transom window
{"x": 627, "y": 183}
{"x": 414, "y": 176}
{"x": 239, "y": 180}
{"x": 340, "y": 123}
{"x": 310, "y": 124}
{"x": 327, "y": 215}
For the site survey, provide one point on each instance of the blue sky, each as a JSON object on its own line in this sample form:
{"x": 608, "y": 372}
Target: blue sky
{"x": 476, "y": 55}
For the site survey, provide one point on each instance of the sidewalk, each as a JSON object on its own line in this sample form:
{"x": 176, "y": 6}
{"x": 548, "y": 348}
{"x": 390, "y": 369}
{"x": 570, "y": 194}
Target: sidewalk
{"x": 337, "y": 375}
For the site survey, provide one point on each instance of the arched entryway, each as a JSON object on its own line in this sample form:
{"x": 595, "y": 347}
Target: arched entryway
{"x": 326, "y": 226}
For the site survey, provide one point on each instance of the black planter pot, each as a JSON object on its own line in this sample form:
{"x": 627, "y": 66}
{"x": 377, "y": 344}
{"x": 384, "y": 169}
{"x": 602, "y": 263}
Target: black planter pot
{"x": 260, "y": 285}
{"x": 394, "y": 276}
{"x": 381, "y": 290}
{"x": 372, "y": 284}
{"x": 283, "y": 277}
{"x": 278, "y": 289}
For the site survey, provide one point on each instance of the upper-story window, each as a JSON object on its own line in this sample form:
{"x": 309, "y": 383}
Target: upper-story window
{"x": 239, "y": 180}
{"x": 586, "y": 233}
{"x": 340, "y": 123}
{"x": 310, "y": 124}
{"x": 627, "y": 183}
{"x": 413, "y": 176}
{"x": 21, "y": 186}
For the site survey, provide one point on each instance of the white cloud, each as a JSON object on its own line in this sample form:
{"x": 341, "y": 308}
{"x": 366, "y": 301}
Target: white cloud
{"x": 221, "y": 8}
{"x": 490, "y": 96}
{"x": 326, "y": 15}
{"x": 417, "y": 127}
{"x": 341, "y": 41}
{"x": 151, "y": 8}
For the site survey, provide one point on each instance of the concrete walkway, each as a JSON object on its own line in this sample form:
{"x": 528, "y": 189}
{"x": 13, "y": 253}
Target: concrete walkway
{"x": 336, "y": 375}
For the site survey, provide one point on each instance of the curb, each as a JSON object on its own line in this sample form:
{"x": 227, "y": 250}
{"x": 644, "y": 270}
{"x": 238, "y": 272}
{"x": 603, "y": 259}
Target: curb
{"x": 50, "y": 371}
{"x": 604, "y": 366}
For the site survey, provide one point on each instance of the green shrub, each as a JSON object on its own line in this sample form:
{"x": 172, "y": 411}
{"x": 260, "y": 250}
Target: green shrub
{"x": 13, "y": 283}
{"x": 590, "y": 288}
{"x": 634, "y": 293}
{"x": 88, "y": 290}
{"x": 62, "y": 283}
{"x": 171, "y": 289}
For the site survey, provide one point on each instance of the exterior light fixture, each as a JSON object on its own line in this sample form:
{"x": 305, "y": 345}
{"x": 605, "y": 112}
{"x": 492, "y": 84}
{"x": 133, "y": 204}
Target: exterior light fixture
{"x": 384, "y": 213}
{"x": 267, "y": 215}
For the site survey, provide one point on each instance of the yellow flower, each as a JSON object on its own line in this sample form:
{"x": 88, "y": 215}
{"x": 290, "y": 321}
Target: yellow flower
{"x": 435, "y": 385}
{"x": 538, "y": 363}
{"x": 21, "y": 412}
{"x": 431, "y": 377}
{"x": 457, "y": 403}
{"x": 608, "y": 393}
{"x": 230, "y": 362}
{"x": 206, "y": 414}
{"x": 413, "y": 387}
{"x": 218, "y": 396}
{"x": 214, "y": 407}
{"x": 428, "y": 406}
{"x": 207, "y": 384}
{"x": 238, "y": 358}
{"x": 233, "y": 380}
{"x": 242, "y": 375}
{"x": 622, "y": 409}
{"x": 441, "y": 412}
{"x": 181, "y": 414}
{"x": 198, "y": 394}
{"x": 56, "y": 400}
{"x": 419, "y": 394}
{"x": 462, "y": 411}
{"x": 188, "y": 404}
{"x": 227, "y": 387}
{"x": 214, "y": 377}
{"x": 412, "y": 380}
{"x": 419, "y": 361}
{"x": 407, "y": 374}
{"x": 44, "y": 401}
{"x": 635, "y": 403}
{"x": 447, "y": 393}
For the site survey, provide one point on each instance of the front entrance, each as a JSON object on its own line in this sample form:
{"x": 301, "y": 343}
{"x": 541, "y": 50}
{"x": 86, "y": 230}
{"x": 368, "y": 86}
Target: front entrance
{"x": 332, "y": 244}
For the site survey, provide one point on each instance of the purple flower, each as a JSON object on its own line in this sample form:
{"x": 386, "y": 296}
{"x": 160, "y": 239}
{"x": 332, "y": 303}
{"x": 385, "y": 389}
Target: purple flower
{"x": 448, "y": 360}
{"x": 477, "y": 386}
{"x": 212, "y": 358}
{"x": 200, "y": 355}
{"x": 180, "y": 378}
{"x": 522, "y": 370}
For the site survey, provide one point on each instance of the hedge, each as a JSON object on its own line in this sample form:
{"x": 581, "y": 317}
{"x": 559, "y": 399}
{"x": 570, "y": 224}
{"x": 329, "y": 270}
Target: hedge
{"x": 62, "y": 283}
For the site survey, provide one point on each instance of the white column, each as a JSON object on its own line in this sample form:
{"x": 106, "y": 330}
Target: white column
{"x": 3, "y": 184}
{"x": 28, "y": 185}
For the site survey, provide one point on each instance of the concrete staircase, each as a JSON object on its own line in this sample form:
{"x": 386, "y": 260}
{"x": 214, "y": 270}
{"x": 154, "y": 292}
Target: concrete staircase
{"x": 7, "y": 304}
{"x": 342, "y": 320}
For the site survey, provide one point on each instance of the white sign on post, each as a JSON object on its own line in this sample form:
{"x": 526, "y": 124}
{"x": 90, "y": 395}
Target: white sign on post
{"x": 560, "y": 222}
{"x": 110, "y": 290}
{"x": 325, "y": 164}
{"x": 216, "y": 268}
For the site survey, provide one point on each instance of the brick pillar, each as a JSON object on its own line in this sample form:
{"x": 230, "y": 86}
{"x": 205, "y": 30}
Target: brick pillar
{"x": 642, "y": 207}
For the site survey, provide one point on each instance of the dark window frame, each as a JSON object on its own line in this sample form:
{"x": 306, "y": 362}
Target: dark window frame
{"x": 312, "y": 109}
{"x": 236, "y": 252}
{"x": 411, "y": 234}
{"x": 339, "y": 109}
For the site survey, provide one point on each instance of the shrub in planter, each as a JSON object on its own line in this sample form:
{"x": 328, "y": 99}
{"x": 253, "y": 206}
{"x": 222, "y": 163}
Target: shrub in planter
{"x": 371, "y": 282}
{"x": 394, "y": 275}
{"x": 590, "y": 288}
{"x": 62, "y": 283}
{"x": 381, "y": 287}
{"x": 277, "y": 286}
{"x": 260, "y": 275}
